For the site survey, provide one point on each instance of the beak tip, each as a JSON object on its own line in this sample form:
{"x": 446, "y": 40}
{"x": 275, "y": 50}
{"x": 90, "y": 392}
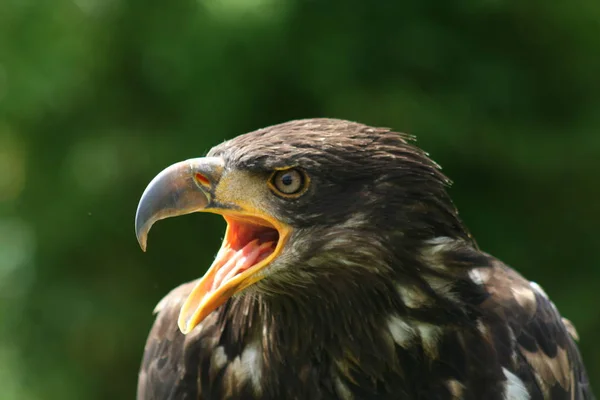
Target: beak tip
{"x": 142, "y": 243}
{"x": 141, "y": 233}
{"x": 183, "y": 326}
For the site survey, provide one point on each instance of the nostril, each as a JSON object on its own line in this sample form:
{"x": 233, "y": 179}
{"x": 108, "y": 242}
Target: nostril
{"x": 201, "y": 179}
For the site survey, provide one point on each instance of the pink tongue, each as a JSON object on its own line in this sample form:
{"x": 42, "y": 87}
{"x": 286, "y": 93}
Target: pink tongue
{"x": 238, "y": 261}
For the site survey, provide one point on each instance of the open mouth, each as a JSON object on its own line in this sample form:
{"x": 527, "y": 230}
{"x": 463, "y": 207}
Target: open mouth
{"x": 251, "y": 243}
{"x": 248, "y": 242}
{"x": 253, "y": 240}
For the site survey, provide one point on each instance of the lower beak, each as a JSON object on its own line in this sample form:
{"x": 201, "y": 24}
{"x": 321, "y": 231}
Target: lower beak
{"x": 236, "y": 267}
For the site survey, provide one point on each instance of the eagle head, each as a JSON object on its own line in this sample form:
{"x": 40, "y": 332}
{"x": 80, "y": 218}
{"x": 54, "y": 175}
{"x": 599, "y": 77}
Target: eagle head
{"x": 316, "y": 209}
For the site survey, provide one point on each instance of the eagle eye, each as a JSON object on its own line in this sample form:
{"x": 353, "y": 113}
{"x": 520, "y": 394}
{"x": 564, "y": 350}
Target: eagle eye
{"x": 288, "y": 183}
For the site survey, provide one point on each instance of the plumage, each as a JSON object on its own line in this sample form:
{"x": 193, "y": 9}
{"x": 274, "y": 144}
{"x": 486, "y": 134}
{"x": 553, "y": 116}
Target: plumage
{"x": 380, "y": 292}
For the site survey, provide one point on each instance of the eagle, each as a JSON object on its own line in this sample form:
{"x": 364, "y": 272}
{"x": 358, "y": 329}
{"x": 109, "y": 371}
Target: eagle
{"x": 346, "y": 273}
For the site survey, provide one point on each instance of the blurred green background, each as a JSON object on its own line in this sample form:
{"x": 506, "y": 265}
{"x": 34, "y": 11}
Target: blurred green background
{"x": 97, "y": 96}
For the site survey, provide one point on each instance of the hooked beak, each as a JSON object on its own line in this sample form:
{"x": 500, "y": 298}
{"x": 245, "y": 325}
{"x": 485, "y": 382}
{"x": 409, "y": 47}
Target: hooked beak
{"x": 253, "y": 238}
{"x": 180, "y": 189}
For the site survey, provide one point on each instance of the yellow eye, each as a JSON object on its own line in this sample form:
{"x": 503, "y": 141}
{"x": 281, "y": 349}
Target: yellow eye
{"x": 289, "y": 182}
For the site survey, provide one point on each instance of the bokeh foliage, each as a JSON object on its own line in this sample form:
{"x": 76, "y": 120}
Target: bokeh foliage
{"x": 97, "y": 96}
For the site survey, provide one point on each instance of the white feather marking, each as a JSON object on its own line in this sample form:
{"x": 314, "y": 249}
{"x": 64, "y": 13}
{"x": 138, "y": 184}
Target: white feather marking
{"x": 252, "y": 362}
{"x": 429, "y": 336}
{"x": 357, "y": 220}
{"x": 514, "y": 353}
{"x": 514, "y": 388}
{"x": 402, "y": 332}
{"x": 412, "y": 297}
{"x": 538, "y": 289}
{"x": 434, "y": 247}
{"x": 481, "y": 327}
{"x": 342, "y": 390}
{"x": 440, "y": 240}
{"x": 525, "y": 297}
{"x": 456, "y": 388}
{"x": 219, "y": 358}
{"x": 248, "y": 366}
{"x": 480, "y": 276}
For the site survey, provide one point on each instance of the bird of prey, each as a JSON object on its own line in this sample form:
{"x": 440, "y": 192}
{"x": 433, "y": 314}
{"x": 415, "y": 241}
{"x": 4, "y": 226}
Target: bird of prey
{"x": 345, "y": 273}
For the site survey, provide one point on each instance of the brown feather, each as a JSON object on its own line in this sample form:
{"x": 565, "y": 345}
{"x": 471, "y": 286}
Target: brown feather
{"x": 384, "y": 294}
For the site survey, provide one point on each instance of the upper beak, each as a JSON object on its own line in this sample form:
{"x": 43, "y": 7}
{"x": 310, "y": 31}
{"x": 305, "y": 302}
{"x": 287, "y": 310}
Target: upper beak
{"x": 180, "y": 189}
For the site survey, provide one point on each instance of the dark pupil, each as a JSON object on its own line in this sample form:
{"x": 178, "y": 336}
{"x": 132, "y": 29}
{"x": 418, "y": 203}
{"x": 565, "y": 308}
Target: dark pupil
{"x": 287, "y": 179}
